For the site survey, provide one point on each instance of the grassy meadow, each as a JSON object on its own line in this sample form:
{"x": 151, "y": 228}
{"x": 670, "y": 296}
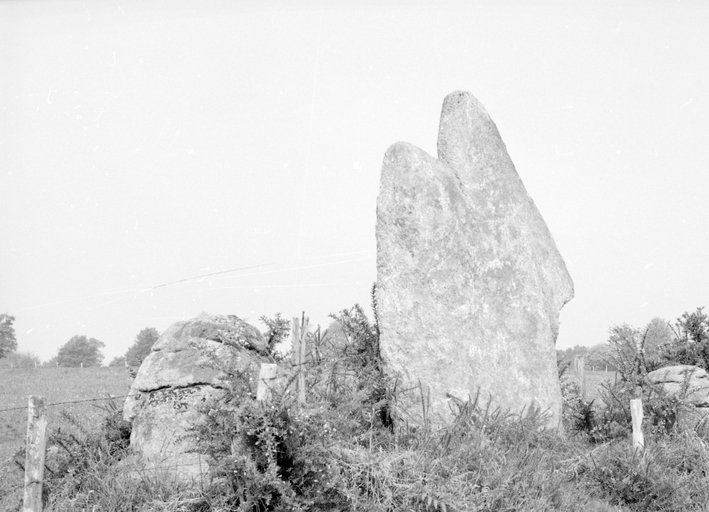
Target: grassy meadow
{"x": 55, "y": 385}
{"x": 594, "y": 381}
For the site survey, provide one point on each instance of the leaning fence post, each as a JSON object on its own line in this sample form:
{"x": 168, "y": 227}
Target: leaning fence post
{"x": 295, "y": 333}
{"x": 34, "y": 456}
{"x": 266, "y": 375}
{"x": 300, "y": 333}
{"x": 636, "y": 413}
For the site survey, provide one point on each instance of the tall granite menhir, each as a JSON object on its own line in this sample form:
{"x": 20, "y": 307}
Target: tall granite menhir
{"x": 469, "y": 281}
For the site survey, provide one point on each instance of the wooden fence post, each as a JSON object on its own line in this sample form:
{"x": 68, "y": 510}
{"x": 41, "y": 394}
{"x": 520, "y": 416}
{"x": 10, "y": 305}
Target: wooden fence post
{"x": 34, "y": 457}
{"x": 300, "y": 336}
{"x": 636, "y": 413}
{"x": 580, "y": 373}
{"x": 266, "y": 376}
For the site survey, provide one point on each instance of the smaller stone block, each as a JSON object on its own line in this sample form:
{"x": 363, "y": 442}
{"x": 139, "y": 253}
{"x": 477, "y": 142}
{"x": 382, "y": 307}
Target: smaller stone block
{"x": 184, "y": 370}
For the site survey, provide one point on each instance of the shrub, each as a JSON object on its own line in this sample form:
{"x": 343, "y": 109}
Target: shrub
{"x": 609, "y": 418}
{"x": 691, "y": 340}
{"x": 278, "y": 456}
{"x": 671, "y": 475}
{"x": 277, "y": 333}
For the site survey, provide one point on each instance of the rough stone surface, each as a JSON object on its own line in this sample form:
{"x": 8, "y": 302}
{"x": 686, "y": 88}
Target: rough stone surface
{"x": 673, "y": 379}
{"x": 180, "y": 373}
{"x": 469, "y": 280}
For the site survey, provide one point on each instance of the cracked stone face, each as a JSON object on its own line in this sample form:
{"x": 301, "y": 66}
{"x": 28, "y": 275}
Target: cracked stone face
{"x": 182, "y": 372}
{"x": 469, "y": 280}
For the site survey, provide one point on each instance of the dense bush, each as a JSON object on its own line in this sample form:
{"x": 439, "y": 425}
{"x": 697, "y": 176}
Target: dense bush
{"x": 283, "y": 454}
{"x": 691, "y": 344}
{"x": 670, "y": 475}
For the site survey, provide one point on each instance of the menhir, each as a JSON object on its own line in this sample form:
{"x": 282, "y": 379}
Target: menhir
{"x": 469, "y": 280}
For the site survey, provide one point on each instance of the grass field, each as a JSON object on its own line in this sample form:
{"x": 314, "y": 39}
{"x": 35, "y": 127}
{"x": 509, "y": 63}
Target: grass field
{"x": 594, "y": 381}
{"x": 55, "y": 385}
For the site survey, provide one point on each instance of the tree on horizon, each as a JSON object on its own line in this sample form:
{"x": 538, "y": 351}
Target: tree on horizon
{"x": 118, "y": 361}
{"x": 8, "y": 341}
{"x": 140, "y": 349}
{"x": 80, "y": 350}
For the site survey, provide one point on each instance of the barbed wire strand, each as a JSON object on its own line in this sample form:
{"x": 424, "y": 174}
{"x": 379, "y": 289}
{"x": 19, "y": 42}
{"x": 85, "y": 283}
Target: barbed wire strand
{"x": 147, "y": 468}
{"x": 110, "y": 397}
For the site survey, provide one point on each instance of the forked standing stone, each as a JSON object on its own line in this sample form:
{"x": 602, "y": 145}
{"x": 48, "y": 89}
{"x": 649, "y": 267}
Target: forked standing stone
{"x": 469, "y": 280}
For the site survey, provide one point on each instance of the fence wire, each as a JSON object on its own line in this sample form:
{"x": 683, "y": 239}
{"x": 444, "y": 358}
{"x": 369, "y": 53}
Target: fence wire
{"x": 109, "y": 397}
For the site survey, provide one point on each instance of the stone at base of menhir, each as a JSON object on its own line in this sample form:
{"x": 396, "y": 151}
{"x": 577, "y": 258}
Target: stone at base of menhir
{"x": 469, "y": 280}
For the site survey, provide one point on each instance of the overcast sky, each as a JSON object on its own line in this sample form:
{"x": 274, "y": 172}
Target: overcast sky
{"x": 146, "y": 143}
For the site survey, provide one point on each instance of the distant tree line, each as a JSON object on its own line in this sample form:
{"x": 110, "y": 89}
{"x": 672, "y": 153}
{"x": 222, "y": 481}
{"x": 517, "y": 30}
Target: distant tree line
{"x": 595, "y": 357}
{"x": 86, "y": 352}
{"x": 80, "y": 350}
{"x": 657, "y": 344}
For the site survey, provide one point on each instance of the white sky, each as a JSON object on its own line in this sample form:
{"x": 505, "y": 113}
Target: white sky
{"x": 142, "y": 143}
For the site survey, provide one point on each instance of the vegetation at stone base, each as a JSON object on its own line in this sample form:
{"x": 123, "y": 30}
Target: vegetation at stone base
{"x": 336, "y": 452}
{"x": 333, "y": 454}
{"x": 80, "y": 350}
{"x": 8, "y": 341}
{"x": 140, "y": 349}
